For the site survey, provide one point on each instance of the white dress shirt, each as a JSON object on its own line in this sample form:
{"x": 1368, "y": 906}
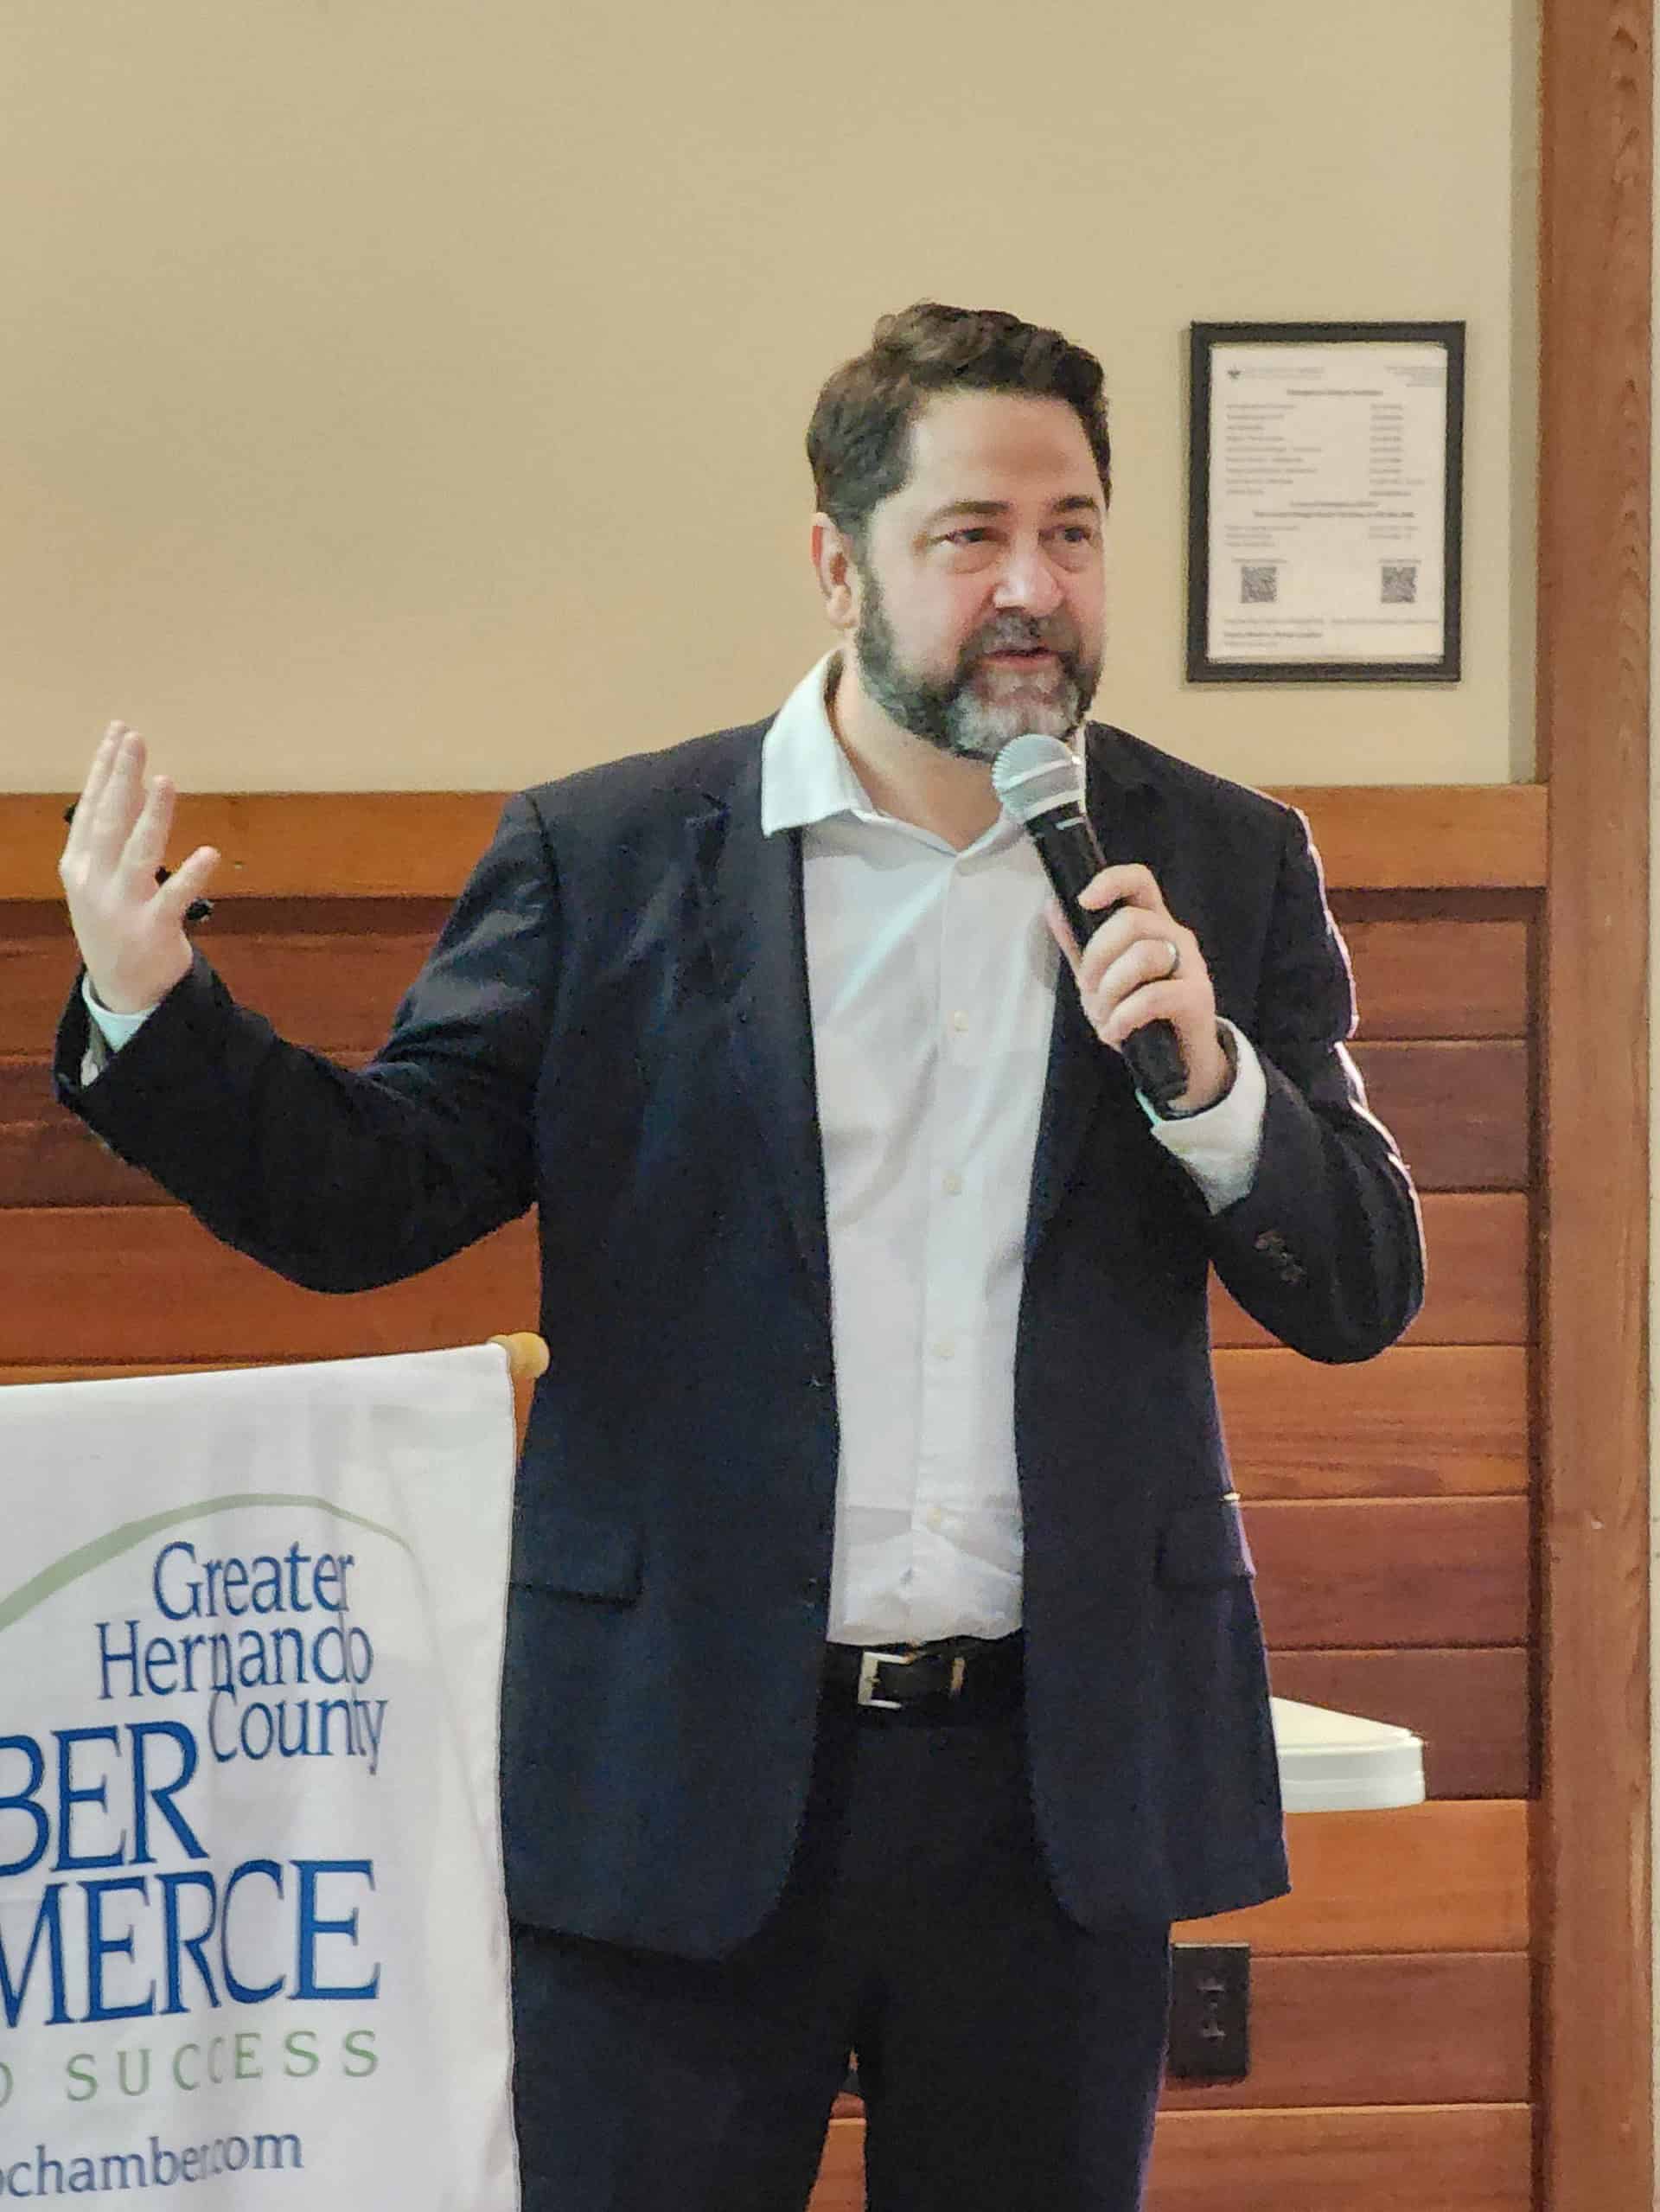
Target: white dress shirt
{"x": 932, "y": 977}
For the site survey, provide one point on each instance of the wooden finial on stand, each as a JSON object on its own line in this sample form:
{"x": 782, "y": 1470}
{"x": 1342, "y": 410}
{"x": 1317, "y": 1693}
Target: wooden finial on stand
{"x": 527, "y": 1355}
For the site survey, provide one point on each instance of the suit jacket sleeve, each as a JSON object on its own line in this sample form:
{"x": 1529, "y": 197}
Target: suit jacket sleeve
{"x": 1325, "y": 1249}
{"x": 343, "y": 1179}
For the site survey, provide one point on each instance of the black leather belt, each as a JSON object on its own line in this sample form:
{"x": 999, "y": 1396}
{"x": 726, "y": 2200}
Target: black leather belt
{"x": 960, "y": 1677}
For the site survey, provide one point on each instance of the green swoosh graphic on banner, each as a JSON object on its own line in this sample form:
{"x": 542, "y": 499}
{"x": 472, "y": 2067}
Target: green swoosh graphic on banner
{"x": 87, "y": 1557}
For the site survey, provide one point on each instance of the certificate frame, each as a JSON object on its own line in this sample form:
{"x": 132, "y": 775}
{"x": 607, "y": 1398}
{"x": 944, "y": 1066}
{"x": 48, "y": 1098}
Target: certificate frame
{"x": 1209, "y": 657}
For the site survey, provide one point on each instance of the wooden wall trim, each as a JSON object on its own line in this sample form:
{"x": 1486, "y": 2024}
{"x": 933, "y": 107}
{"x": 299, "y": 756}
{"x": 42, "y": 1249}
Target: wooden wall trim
{"x": 421, "y": 844}
{"x": 1596, "y": 219}
{"x": 1429, "y": 837}
{"x": 1362, "y": 2158}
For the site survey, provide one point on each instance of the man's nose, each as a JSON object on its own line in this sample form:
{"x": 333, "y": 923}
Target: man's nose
{"x": 1029, "y": 581}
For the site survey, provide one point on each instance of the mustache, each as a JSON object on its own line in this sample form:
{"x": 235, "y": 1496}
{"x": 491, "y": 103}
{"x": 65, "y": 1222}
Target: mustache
{"x": 1057, "y": 633}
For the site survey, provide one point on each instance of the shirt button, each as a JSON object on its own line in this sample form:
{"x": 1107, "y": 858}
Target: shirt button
{"x": 935, "y": 1518}
{"x": 959, "y": 1019}
{"x": 944, "y": 1347}
{"x": 953, "y": 1185}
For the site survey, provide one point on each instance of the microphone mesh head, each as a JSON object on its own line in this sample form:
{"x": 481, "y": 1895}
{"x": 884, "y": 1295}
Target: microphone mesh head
{"x": 1032, "y": 775}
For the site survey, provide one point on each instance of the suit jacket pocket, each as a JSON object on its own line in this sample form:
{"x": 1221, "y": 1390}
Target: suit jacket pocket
{"x": 1204, "y": 1543}
{"x": 559, "y": 1547}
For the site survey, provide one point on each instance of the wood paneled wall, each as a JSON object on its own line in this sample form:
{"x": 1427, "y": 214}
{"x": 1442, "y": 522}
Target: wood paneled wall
{"x": 1391, "y": 1511}
{"x": 1390, "y": 1505}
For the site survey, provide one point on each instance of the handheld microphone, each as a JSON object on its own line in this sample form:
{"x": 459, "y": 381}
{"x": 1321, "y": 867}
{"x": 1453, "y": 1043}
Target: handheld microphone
{"x": 1037, "y": 778}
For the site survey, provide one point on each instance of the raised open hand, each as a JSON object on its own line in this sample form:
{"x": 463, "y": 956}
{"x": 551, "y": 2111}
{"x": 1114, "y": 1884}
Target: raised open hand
{"x": 130, "y": 927}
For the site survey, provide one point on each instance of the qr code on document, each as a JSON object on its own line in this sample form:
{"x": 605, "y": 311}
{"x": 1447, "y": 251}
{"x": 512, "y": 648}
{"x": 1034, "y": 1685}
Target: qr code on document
{"x": 1400, "y": 582}
{"x": 1258, "y": 584}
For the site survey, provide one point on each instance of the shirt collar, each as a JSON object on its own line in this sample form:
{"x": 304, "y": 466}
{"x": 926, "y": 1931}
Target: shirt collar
{"x": 806, "y": 777}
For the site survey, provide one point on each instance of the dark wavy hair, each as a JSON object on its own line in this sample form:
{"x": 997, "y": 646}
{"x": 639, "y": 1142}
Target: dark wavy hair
{"x": 858, "y": 440}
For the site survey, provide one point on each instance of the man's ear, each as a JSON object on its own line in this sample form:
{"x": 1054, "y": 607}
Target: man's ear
{"x": 838, "y": 573}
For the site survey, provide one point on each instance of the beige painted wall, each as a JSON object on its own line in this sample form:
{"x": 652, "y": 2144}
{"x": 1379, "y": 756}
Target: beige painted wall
{"x": 401, "y": 393}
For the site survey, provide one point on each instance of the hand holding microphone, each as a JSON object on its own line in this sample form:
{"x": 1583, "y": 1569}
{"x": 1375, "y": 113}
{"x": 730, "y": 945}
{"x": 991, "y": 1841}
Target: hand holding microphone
{"x": 1142, "y": 980}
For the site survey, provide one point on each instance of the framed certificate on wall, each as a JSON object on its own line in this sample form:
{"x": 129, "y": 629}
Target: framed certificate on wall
{"x": 1325, "y": 471}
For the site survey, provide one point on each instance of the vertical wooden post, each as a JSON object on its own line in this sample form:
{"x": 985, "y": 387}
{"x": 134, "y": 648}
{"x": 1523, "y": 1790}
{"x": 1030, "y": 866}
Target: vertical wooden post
{"x": 1594, "y": 1895}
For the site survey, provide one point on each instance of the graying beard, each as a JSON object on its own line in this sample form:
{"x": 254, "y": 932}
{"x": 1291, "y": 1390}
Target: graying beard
{"x": 935, "y": 713}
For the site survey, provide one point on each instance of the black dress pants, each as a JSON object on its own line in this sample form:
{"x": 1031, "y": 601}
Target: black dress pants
{"x": 1009, "y": 2061}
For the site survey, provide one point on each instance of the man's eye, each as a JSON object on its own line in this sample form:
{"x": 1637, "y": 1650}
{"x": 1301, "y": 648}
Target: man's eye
{"x": 974, "y": 535}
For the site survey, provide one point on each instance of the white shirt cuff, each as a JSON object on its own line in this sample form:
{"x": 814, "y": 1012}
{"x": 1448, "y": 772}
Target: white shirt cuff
{"x": 1220, "y": 1148}
{"x": 108, "y": 1034}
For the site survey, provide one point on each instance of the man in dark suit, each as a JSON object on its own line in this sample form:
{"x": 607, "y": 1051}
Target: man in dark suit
{"x": 883, "y": 1664}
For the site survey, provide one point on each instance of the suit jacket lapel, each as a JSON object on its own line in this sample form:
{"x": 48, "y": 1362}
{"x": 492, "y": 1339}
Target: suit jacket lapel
{"x": 751, "y": 890}
{"x": 1082, "y": 1073}
{"x": 751, "y": 893}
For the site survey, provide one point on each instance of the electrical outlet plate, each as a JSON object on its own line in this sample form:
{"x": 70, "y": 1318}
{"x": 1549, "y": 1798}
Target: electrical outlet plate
{"x": 1210, "y": 2012}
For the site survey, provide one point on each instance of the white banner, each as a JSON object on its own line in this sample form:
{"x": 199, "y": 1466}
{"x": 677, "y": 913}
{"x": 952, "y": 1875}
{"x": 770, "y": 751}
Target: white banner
{"x": 253, "y": 1940}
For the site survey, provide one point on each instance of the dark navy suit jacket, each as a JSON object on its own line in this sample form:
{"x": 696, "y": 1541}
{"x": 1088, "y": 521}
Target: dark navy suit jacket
{"x": 613, "y": 1027}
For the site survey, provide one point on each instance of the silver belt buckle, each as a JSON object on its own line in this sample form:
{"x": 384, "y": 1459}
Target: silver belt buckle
{"x": 868, "y": 1663}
